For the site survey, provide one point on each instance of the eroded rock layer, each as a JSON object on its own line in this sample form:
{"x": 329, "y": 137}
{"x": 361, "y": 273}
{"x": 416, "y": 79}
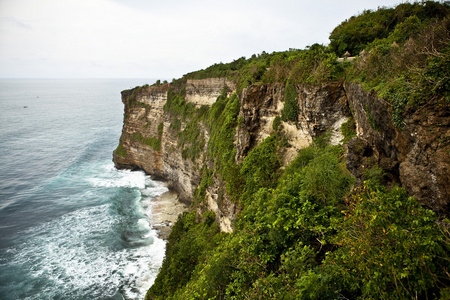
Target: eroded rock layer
{"x": 415, "y": 157}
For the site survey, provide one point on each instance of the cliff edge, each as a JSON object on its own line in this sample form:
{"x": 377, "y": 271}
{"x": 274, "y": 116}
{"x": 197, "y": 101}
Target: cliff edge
{"x": 164, "y": 137}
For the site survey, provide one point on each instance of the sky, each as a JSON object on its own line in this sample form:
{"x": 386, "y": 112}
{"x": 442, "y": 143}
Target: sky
{"x": 157, "y": 39}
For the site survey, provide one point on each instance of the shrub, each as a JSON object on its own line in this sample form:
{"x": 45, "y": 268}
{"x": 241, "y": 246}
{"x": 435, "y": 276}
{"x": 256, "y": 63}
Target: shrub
{"x": 390, "y": 247}
{"x": 276, "y": 123}
{"x": 187, "y": 246}
{"x": 290, "y": 110}
{"x": 222, "y": 123}
{"x": 260, "y": 166}
{"x": 348, "y": 129}
{"x": 160, "y": 129}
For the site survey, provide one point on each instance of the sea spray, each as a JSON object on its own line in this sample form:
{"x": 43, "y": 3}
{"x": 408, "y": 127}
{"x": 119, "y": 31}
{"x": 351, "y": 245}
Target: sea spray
{"x": 95, "y": 251}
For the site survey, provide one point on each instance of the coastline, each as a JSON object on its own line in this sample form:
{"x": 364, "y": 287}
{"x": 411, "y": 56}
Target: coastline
{"x": 165, "y": 211}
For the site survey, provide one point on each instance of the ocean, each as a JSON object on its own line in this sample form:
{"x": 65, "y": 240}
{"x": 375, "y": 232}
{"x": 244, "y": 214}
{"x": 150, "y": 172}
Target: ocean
{"x": 71, "y": 225}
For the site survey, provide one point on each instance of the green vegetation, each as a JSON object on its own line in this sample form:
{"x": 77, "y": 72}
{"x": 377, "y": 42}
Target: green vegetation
{"x": 408, "y": 64}
{"x": 160, "y": 129}
{"x": 406, "y": 60}
{"x": 222, "y": 123}
{"x": 189, "y": 243}
{"x": 392, "y": 246}
{"x": 313, "y": 65}
{"x": 371, "y": 120}
{"x": 290, "y": 110}
{"x": 276, "y": 123}
{"x": 348, "y": 129}
{"x": 177, "y": 105}
{"x": 305, "y": 231}
{"x": 355, "y": 33}
{"x": 260, "y": 167}
{"x": 154, "y": 142}
{"x": 191, "y": 139}
{"x": 304, "y": 234}
{"x": 120, "y": 151}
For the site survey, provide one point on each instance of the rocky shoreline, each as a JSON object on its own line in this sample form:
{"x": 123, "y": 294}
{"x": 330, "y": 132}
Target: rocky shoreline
{"x": 165, "y": 211}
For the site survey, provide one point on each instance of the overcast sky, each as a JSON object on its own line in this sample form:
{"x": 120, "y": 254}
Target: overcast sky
{"x": 157, "y": 39}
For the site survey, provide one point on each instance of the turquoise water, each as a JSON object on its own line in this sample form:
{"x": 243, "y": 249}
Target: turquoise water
{"x": 71, "y": 225}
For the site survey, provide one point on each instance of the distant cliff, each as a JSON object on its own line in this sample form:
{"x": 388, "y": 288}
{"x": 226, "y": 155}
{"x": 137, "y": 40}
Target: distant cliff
{"x": 172, "y": 146}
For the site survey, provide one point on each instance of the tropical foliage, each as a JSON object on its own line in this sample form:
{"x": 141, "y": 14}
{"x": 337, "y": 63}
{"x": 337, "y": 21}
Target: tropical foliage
{"x": 306, "y": 235}
{"x": 306, "y": 231}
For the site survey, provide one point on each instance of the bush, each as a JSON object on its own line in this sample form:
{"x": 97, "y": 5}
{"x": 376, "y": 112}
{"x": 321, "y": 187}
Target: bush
{"x": 222, "y": 124}
{"x": 290, "y": 110}
{"x": 260, "y": 166}
{"x": 390, "y": 247}
{"x": 187, "y": 246}
{"x": 276, "y": 123}
{"x": 299, "y": 233}
{"x": 304, "y": 237}
{"x": 348, "y": 129}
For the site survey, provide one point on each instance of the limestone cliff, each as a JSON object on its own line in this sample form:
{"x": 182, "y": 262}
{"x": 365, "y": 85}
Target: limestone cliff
{"x": 150, "y": 142}
{"x": 322, "y": 108}
{"x": 412, "y": 157}
{"x": 416, "y": 157}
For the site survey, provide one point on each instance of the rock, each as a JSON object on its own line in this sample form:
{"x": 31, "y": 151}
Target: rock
{"x": 416, "y": 157}
{"x": 144, "y": 114}
{"x": 321, "y": 108}
{"x": 165, "y": 211}
{"x": 205, "y": 91}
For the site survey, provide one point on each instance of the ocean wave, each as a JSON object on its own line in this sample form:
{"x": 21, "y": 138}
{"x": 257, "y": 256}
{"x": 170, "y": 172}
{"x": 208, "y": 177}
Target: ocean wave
{"x": 86, "y": 252}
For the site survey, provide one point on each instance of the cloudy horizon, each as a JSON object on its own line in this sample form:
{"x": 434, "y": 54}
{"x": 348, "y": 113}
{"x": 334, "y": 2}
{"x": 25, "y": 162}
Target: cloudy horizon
{"x": 156, "y": 39}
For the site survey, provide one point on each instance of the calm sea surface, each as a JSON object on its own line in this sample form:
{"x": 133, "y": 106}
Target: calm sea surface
{"x": 71, "y": 225}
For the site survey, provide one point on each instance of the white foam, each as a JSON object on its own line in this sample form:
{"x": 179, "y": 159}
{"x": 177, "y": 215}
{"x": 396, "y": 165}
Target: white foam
{"x": 124, "y": 178}
{"x": 143, "y": 225}
{"x": 72, "y": 254}
{"x": 83, "y": 250}
{"x": 143, "y": 280}
{"x": 152, "y": 192}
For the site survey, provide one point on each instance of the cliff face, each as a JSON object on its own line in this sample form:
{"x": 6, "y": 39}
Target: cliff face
{"x": 413, "y": 157}
{"x": 205, "y": 91}
{"x": 417, "y": 157}
{"x": 145, "y": 120}
{"x": 322, "y": 108}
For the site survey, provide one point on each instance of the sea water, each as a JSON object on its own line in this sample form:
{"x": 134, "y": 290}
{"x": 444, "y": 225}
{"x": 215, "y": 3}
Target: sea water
{"x": 71, "y": 225}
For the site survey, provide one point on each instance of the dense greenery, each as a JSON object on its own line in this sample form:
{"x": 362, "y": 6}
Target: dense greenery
{"x": 306, "y": 231}
{"x": 313, "y": 65}
{"x": 406, "y": 60}
{"x": 290, "y": 110}
{"x": 304, "y": 235}
{"x": 188, "y": 245}
{"x": 222, "y": 122}
{"x": 348, "y": 129}
{"x": 409, "y": 65}
{"x": 355, "y": 33}
{"x": 191, "y": 139}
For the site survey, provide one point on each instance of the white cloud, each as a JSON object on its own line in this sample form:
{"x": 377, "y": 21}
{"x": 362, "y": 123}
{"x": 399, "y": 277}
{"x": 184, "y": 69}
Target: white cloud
{"x": 133, "y": 38}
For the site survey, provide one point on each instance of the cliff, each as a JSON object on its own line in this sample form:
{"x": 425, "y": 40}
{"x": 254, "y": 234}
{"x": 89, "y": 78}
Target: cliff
{"x": 416, "y": 157}
{"x": 154, "y": 137}
{"x": 150, "y": 141}
{"x": 309, "y": 220}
